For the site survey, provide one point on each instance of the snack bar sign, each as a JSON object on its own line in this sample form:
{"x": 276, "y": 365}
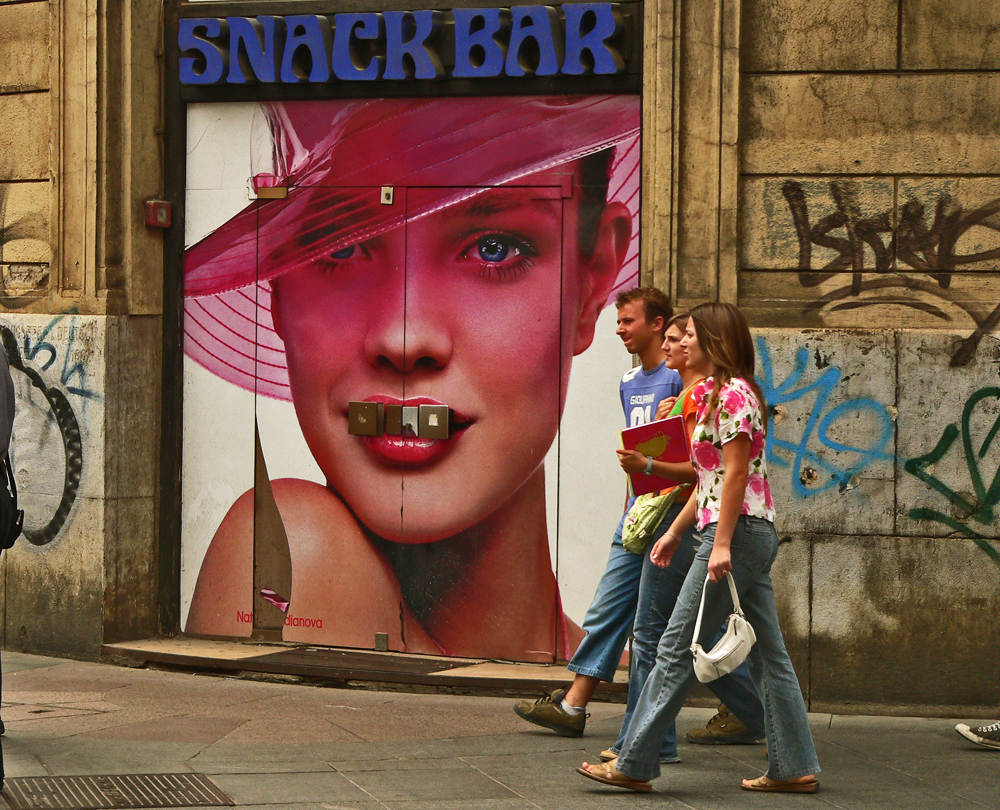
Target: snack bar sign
{"x": 574, "y": 39}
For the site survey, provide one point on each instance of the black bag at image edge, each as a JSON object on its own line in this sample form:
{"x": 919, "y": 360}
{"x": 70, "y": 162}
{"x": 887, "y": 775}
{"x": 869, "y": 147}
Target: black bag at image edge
{"x": 11, "y": 518}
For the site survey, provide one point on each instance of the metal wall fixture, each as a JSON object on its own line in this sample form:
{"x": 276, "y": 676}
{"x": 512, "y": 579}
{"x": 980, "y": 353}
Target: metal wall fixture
{"x": 418, "y": 421}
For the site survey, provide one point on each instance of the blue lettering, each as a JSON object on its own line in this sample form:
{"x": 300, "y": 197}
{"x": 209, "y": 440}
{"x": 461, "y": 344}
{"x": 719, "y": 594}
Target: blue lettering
{"x": 541, "y": 24}
{"x": 602, "y": 22}
{"x": 311, "y": 33}
{"x": 531, "y": 40}
{"x": 215, "y": 57}
{"x": 256, "y": 44}
{"x": 410, "y": 35}
{"x": 348, "y": 63}
{"x": 480, "y": 47}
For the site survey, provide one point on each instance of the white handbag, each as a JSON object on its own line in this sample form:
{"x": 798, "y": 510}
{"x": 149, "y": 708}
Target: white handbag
{"x": 733, "y": 647}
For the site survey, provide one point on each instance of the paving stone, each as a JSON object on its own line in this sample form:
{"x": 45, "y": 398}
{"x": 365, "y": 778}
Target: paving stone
{"x": 869, "y": 763}
{"x": 290, "y": 758}
{"x": 75, "y": 756}
{"x": 171, "y": 729}
{"x": 432, "y": 783}
{"x": 280, "y": 788}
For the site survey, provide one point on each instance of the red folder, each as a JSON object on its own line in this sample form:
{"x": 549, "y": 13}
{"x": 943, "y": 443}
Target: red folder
{"x": 664, "y": 440}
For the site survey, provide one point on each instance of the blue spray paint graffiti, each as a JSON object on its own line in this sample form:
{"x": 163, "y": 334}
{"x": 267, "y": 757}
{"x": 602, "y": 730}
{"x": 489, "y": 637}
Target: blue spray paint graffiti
{"x": 800, "y": 455}
{"x": 976, "y": 506}
{"x": 68, "y": 372}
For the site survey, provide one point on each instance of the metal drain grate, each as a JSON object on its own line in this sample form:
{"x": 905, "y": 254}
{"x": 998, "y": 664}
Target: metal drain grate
{"x": 98, "y": 792}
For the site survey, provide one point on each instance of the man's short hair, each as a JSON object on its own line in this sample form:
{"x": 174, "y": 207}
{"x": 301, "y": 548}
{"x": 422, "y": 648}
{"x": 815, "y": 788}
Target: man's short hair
{"x": 654, "y": 302}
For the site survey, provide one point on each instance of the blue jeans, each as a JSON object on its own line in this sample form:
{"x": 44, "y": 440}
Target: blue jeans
{"x": 791, "y": 752}
{"x": 609, "y": 617}
{"x": 658, "y": 591}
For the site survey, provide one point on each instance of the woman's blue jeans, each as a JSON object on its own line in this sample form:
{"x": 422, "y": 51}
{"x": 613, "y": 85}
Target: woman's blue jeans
{"x": 791, "y": 752}
{"x": 658, "y": 592}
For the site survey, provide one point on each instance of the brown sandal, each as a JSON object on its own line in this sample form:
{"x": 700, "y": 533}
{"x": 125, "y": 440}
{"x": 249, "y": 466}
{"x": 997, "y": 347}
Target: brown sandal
{"x": 609, "y": 776}
{"x": 763, "y": 783}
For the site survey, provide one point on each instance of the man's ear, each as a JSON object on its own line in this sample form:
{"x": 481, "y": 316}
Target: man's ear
{"x": 276, "y": 310}
{"x": 614, "y": 232}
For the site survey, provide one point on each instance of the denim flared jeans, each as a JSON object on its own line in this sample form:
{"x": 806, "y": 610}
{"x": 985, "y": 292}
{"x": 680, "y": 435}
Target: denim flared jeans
{"x": 658, "y": 592}
{"x": 791, "y": 752}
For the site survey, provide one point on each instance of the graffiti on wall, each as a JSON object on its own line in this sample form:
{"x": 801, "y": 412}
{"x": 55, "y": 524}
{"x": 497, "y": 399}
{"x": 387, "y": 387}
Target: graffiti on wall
{"x": 923, "y": 242}
{"x": 816, "y": 459}
{"x": 977, "y": 503}
{"x": 53, "y": 389}
{"x": 810, "y": 417}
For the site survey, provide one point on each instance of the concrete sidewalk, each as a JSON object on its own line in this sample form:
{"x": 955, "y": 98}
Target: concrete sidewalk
{"x": 277, "y": 745}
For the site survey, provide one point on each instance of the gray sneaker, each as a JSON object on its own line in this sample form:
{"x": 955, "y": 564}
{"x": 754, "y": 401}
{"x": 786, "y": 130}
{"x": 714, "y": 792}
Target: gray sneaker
{"x": 986, "y": 736}
{"x": 548, "y": 712}
{"x": 723, "y": 729}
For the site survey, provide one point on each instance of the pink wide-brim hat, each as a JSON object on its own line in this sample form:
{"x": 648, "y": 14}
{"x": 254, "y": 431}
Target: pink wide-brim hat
{"x": 334, "y": 156}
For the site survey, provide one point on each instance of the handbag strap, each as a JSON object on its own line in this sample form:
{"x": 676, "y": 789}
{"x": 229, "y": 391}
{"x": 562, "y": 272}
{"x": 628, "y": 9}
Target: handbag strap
{"x": 9, "y": 475}
{"x": 701, "y": 608}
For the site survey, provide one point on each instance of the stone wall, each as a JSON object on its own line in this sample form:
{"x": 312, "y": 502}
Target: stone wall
{"x": 81, "y": 286}
{"x": 54, "y": 576}
{"x": 869, "y": 226}
{"x": 884, "y": 466}
{"x": 85, "y": 569}
{"x": 25, "y": 187}
{"x": 832, "y": 168}
{"x": 868, "y": 193}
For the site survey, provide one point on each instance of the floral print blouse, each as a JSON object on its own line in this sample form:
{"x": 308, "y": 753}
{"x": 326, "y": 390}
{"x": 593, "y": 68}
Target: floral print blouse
{"x": 736, "y": 412}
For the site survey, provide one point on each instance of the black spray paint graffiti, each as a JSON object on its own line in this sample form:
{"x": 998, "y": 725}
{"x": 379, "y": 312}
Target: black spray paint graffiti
{"x": 69, "y": 429}
{"x": 928, "y": 249}
{"x": 978, "y": 505}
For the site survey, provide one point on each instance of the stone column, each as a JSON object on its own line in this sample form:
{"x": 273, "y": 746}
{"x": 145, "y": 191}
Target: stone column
{"x": 80, "y": 317}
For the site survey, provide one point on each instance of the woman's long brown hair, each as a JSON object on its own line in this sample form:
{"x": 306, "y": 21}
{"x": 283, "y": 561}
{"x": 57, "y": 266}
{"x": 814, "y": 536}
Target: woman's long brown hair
{"x": 724, "y": 338}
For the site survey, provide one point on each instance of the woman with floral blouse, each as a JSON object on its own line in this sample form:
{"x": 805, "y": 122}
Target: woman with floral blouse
{"x": 734, "y": 513}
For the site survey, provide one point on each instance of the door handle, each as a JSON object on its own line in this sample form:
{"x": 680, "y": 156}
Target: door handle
{"x": 377, "y": 418}
{"x": 365, "y": 418}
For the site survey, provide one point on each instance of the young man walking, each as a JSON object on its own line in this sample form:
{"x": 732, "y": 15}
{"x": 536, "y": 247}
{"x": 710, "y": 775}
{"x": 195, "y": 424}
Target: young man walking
{"x": 643, "y": 315}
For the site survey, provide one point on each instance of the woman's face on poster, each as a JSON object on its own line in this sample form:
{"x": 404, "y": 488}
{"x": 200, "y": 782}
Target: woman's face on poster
{"x": 479, "y": 307}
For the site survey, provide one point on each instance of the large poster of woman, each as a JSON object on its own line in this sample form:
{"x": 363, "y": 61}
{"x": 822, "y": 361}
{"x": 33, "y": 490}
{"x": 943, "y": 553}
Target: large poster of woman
{"x": 454, "y": 252}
